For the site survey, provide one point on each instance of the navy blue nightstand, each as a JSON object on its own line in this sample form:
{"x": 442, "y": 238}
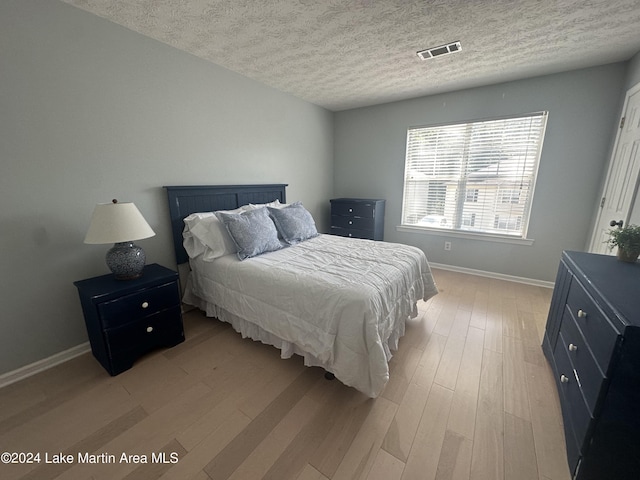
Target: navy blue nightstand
{"x": 128, "y": 318}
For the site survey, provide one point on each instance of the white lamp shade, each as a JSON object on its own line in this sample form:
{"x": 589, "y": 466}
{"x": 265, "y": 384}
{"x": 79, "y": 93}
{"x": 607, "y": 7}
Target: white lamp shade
{"x": 117, "y": 222}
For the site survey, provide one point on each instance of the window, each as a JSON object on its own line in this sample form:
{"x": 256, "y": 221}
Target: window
{"x": 473, "y": 177}
{"x": 509, "y": 195}
{"x": 471, "y": 195}
{"x": 507, "y": 222}
{"x": 469, "y": 220}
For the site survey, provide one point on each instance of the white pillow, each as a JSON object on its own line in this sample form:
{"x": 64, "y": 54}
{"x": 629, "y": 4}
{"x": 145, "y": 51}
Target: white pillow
{"x": 204, "y": 234}
{"x": 275, "y": 204}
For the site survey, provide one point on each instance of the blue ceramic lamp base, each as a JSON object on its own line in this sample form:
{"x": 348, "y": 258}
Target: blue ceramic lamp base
{"x": 126, "y": 260}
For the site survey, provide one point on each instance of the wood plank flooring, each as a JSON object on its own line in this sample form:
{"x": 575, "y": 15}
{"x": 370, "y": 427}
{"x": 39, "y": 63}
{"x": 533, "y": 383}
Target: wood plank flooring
{"x": 470, "y": 397}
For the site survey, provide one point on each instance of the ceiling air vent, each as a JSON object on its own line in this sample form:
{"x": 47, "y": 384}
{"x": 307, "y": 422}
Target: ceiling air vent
{"x": 441, "y": 50}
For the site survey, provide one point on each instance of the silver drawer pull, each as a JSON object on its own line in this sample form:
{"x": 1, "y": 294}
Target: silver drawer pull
{"x": 351, "y": 210}
{"x": 572, "y": 347}
{"x": 350, "y": 235}
{"x": 564, "y": 379}
{"x": 149, "y": 329}
{"x": 350, "y": 222}
{"x": 582, "y": 314}
{"x": 145, "y": 305}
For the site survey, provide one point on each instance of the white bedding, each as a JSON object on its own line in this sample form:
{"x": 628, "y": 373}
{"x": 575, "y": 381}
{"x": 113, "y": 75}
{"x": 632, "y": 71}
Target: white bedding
{"x": 341, "y": 303}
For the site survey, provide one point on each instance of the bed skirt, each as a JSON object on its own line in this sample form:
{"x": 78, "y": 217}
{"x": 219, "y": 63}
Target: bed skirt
{"x": 253, "y": 331}
{"x": 287, "y": 349}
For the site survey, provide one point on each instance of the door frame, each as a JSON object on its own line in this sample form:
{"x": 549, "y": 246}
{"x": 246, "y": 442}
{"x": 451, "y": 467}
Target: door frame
{"x": 595, "y": 237}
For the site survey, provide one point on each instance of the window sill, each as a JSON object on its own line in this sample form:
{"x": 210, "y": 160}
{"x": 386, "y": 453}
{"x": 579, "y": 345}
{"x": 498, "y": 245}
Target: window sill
{"x": 487, "y": 237}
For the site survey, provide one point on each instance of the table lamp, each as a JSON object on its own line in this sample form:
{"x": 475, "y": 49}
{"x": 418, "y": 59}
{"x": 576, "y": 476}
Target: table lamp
{"x": 120, "y": 224}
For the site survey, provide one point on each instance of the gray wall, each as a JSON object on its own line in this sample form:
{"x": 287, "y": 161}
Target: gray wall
{"x": 583, "y": 107}
{"x": 90, "y": 111}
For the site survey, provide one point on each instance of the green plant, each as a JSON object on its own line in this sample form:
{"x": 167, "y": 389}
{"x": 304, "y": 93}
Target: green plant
{"x": 626, "y": 238}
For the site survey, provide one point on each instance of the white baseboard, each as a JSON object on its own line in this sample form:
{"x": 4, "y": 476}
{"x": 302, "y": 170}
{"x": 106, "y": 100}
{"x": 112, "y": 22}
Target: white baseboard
{"x": 44, "y": 364}
{"x": 499, "y": 276}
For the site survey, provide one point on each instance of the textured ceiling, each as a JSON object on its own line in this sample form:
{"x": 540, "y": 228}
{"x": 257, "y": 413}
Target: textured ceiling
{"x": 343, "y": 54}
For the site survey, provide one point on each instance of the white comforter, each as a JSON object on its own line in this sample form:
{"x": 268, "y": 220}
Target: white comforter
{"x": 340, "y": 302}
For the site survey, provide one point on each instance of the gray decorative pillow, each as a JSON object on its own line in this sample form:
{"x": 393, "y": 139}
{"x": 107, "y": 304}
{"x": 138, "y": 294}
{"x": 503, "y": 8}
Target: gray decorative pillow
{"x": 253, "y": 232}
{"x": 294, "y": 223}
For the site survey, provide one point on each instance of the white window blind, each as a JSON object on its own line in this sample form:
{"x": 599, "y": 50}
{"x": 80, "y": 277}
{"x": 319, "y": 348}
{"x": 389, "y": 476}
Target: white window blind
{"x": 477, "y": 176}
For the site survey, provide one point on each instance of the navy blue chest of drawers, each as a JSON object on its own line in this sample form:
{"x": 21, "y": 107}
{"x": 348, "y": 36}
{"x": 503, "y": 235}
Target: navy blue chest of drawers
{"x": 358, "y": 218}
{"x": 128, "y": 318}
{"x": 592, "y": 341}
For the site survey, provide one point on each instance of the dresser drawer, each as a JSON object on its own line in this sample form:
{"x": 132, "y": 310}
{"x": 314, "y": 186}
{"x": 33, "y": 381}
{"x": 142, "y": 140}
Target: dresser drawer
{"x": 571, "y": 442}
{"x": 588, "y": 374}
{"x": 351, "y": 233}
{"x": 579, "y": 415}
{"x": 358, "y": 223}
{"x": 145, "y": 334}
{"x": 356, "y": 209}
{"x": 140, "y": 304}
{"x": 598, "y": 332}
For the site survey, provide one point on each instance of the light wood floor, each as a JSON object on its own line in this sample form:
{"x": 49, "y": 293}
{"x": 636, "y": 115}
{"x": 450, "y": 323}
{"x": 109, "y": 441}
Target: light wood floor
{"x": 470, "y": 397}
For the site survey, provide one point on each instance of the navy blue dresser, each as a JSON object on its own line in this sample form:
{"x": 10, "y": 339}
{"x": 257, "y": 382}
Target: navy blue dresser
{"x": 358, "y": 218}
{"x": 128, "y": 318}
{"x": 592, "y": 342}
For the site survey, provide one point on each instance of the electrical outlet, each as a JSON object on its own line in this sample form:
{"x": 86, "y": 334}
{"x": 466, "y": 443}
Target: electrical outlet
{"x": 447, "y": 246}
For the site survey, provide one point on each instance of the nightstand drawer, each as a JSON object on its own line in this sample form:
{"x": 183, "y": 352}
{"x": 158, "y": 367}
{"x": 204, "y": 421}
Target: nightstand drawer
{"x": 598, "y": 332}
{"x": 588, "y": 373}
{"x": 357, "y": 223}
{"x": 143, "y": 335}
{"x": 354, "y": 209}
{"x": 140, "y": 304}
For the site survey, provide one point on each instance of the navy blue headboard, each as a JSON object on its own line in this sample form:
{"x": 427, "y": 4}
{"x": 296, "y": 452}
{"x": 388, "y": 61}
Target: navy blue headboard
{"x": 185, "y": 200}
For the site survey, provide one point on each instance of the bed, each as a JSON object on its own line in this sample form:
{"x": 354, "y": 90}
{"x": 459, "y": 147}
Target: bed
{"x": 340, "y": 303}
